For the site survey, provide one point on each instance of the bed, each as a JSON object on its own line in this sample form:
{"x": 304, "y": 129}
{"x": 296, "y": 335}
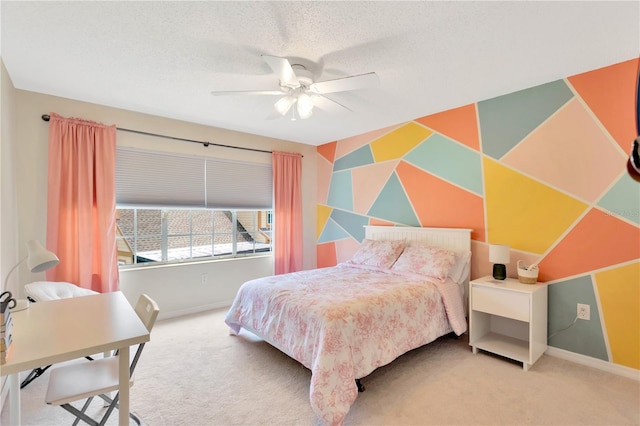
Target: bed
{"x": 403, "y": 288}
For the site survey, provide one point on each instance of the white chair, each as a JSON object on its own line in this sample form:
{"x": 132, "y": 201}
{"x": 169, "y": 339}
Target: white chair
{"x": 41, "y": 291}
{"x": 89, "y": 379}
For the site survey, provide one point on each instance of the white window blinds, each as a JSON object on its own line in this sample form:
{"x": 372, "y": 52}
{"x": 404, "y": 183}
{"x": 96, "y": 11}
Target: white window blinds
{"x": 153, "y": 179}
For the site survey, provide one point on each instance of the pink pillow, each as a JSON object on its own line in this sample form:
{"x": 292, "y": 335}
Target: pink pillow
{"x": 377, "y": 253}
{"x": 423, "y": 260}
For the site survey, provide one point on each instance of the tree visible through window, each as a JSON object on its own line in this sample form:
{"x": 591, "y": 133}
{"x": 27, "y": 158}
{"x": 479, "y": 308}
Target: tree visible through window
{"x": 173, "y": 235}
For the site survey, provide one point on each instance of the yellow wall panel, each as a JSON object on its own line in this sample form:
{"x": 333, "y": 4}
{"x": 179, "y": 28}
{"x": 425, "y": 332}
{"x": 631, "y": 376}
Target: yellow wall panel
{"x": 396, "y": 144}
{"x": 524, "y": 213}
{"x": 619, "y": 291}
{"x": 323, "y": 215}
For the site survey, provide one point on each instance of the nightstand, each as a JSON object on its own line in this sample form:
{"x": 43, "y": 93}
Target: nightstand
{"x": 508, "y": 318}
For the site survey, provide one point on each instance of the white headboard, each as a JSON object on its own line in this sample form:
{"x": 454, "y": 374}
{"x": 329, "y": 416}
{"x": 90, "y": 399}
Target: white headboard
{"x": 454, "y": 239}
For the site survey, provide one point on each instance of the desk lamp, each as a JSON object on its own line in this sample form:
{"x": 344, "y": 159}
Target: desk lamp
{"x": 499, "y": 255}
{"x": 38, "y": 259}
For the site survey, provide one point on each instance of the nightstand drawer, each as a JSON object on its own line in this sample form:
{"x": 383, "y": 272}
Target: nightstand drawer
{"x": 505, "y": 303}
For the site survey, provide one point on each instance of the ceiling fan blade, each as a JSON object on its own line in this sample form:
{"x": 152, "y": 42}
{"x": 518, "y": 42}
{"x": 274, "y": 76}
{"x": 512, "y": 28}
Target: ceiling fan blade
{"x": 343, "y": 84}
{"x": 283, "y": 70}
{"x": 247, "y": 92}
{"x": 326, "y": 103}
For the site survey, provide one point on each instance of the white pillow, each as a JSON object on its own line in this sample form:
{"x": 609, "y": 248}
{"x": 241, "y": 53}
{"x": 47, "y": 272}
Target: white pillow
{"x": 51, "y": 290}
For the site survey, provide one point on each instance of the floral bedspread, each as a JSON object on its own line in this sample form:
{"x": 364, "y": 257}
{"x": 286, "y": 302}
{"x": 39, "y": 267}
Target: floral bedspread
{"x": 344, "y": 322}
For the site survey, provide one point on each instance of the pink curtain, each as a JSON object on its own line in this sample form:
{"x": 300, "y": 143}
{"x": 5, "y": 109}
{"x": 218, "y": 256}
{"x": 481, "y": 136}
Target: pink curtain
{"x": 287, "y": 176}
{"x": 81, "y": 203}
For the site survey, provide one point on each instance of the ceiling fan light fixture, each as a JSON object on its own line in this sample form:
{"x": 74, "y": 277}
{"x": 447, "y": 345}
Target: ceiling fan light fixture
{"x": 296, "y": 85}
{"x": 284, "y": 104}
{"x": 305, "y": 106}
{"x": 306, "y": 114}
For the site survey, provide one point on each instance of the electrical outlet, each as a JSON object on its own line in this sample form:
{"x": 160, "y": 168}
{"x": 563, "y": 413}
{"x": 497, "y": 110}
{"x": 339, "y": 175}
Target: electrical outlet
{"x": 584, "y": 311}
{"x": 203, "y": 279}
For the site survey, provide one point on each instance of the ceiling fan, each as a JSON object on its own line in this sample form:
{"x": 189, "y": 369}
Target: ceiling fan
{"x": 298, "y": 88}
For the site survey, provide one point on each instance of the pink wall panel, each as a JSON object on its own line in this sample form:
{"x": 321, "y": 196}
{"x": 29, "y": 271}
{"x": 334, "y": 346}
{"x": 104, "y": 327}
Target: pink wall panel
{"x": 368, "y": 182}
{"x": 345, "y": 249}
{"x": 610, "y": 93}
{"x": 579, "y": 147}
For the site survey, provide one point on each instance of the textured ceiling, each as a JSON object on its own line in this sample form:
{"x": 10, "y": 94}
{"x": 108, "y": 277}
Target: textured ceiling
{"x": 164, "y": 58}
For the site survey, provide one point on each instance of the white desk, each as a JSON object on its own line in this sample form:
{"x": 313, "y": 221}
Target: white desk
{"x": 59, "y": 330}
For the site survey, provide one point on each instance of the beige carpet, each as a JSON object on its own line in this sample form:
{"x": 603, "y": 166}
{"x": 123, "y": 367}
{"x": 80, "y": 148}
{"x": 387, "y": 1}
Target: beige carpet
{"x": 193, "y": 373}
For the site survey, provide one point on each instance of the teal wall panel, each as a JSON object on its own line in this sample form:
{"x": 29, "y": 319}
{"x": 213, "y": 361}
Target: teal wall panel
{"x": 332, "y": 232}
{"x": 351, "y": 223}
{"x": 340, "y": 191}
{"x": 359, "y": 157}
{"x": 584, "y": 337}
{"x": 450, "y": 161}
{"x": 393, "y": 204}
{"x": 506, "y": 120}
{"x": 623, "y": 199}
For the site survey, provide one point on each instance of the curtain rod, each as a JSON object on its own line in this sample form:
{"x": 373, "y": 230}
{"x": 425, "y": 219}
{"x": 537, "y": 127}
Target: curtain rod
{"x": 47, "y": 117}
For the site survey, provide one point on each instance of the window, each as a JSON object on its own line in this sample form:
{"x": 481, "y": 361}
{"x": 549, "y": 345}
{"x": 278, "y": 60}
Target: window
{"x": 175, "y": 235}
{"x": 158, "y": 180}
{"x": 175, "y": 208}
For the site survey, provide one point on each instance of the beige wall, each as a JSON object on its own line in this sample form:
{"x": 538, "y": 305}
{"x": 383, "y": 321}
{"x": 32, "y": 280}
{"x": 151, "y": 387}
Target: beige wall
{"x": 8, "y": 207}
{"x": 177, "y": 290}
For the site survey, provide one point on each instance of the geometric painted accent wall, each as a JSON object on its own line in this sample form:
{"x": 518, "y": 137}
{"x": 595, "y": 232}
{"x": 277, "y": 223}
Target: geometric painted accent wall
{"x": 542, "y": 170}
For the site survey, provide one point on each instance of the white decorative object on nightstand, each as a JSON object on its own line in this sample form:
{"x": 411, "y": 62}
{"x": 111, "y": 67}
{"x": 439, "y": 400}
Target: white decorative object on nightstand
{"x": 508, "y": 318}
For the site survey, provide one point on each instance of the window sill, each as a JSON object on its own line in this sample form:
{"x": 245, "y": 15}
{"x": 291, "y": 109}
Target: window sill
{"x": 139, "y": 267}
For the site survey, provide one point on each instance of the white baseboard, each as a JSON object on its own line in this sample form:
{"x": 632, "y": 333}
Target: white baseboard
{"x": 193, "y": 310}
{"x": 607, "y": 366}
